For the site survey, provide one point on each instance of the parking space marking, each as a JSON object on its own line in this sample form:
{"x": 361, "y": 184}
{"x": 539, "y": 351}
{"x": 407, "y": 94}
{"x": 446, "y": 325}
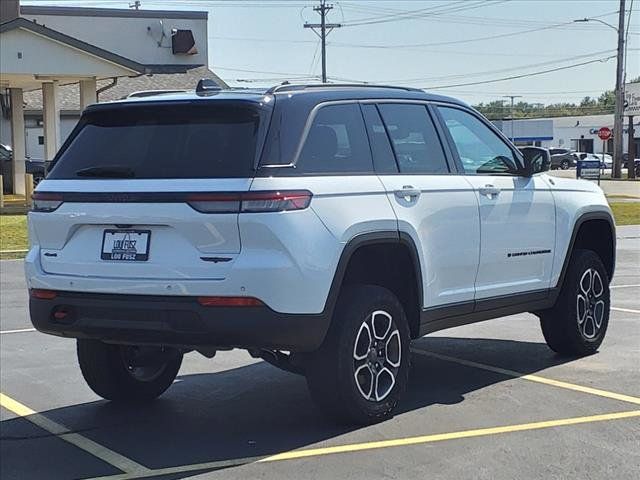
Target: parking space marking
{"x": 627, "y": 310}
{"x": 623, "y": 286}
{"x": 19, "y": 330}
{"x": 532, "y": 378}
{"x": 63, "y": 433}
{"x": 359, "y": 447}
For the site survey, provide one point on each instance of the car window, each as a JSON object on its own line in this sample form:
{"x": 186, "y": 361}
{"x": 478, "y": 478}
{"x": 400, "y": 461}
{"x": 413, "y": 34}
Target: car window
{"x": 164, "y": 141}
{"x": 336, "y": 142}
{"x": 414, "y": 138}
{"x": 383, "y": 158}
{"x": 481, "y": 150}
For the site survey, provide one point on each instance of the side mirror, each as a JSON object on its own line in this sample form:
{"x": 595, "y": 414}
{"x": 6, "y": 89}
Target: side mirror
{"x": 536, "y": 160}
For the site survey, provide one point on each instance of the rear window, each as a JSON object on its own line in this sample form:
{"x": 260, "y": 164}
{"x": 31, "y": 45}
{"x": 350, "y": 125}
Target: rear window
{"x": 164, "y": 141}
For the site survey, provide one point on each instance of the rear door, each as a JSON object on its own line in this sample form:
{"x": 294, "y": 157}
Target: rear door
{"x": 437, "y": 209}
{"x": 150, "y": 190}
{"x": 517, "y": 213}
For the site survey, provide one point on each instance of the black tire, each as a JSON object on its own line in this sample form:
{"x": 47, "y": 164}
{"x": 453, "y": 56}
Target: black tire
{"x": 564, "y": 165}
{"x": 331, "y": 372}
{"x": 109, "y": 373}
{"x": 562, "y": 330}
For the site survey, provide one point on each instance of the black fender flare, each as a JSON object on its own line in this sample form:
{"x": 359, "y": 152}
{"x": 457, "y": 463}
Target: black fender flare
{"x": 582, "y": 219}
{"x": 365, "y": 239}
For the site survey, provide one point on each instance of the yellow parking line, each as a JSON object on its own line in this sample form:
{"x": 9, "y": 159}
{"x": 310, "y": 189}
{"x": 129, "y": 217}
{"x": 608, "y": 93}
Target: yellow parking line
{"x": 60, "y": 431}
{"x": 359, "y": 447}
{"x": 532, "y": 378}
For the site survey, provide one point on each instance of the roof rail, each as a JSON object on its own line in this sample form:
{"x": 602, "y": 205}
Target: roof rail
{"x": 291, "y": 87}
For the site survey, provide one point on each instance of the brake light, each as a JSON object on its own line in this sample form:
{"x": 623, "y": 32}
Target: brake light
{"x": 215, "y": 202}
{"x": 275, "y": 201}
{"x": 229, "y": 302}
{"x": 250, "y": 202}
{"x": 46, "y": 202}
{"x": 43, "y": 294}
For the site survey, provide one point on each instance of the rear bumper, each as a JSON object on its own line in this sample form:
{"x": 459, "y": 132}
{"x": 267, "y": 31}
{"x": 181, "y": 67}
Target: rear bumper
{"x": 176, "y": 321}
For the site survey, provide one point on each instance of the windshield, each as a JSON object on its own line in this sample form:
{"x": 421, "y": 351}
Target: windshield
{"x": 163, "y": 141}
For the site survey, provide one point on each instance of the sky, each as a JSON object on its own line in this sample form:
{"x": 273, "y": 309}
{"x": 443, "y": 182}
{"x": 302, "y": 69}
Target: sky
{"x": 445, "y": 46}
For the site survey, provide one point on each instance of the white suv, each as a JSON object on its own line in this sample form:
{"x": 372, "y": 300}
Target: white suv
{"x": 319, "y": 227}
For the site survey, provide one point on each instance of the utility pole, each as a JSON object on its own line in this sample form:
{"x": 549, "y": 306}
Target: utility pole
{"x": 325, "y": 29}
{"x": 512, "y": 97}
{"x": 618, "y": 121}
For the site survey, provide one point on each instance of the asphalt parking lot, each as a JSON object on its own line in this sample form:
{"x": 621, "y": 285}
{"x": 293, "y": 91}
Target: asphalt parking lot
{"x": 486, "y": 401}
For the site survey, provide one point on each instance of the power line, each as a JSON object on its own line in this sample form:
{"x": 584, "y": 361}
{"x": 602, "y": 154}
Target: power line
{"x": 513, "y": 77}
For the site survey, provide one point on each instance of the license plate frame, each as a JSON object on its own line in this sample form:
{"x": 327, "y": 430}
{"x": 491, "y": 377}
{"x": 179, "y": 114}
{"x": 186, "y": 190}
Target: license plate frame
{"x": 125, "y": 252}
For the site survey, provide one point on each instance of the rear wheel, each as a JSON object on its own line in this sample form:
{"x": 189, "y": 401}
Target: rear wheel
{"x": 361, "y": 371}
{"x": 127, "y": 373}
{"x": 577, "y": 324}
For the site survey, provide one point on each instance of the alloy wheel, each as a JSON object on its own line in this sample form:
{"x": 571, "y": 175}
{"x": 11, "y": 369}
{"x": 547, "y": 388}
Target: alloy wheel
{"x": 590, "y": 304}
{"x": 377, "y": 356}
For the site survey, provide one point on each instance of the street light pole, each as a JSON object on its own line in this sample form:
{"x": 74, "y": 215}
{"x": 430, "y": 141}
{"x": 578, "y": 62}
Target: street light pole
{"x": 618, "y": 121}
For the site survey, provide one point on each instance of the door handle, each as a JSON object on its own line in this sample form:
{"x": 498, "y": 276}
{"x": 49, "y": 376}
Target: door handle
{"x": 408, "y": 191}
{"x": 489, "y": 191}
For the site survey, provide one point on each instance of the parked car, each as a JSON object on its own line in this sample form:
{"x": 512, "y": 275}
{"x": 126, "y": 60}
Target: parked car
{"x": 606, "y": 160}
{"x": 36, "y": 168}
{"x": 562, "y": 158}
{"x": 319, "y": 227}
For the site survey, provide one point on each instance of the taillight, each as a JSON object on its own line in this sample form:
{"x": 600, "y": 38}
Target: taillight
{"x": 46, "y": 202}
{"x": 229, "y": 302}
{"x": 43, "y": 294}
{"x": 275, "y": 201}
{"x": 215, "y": 202}
{"x": 250, "y": 202}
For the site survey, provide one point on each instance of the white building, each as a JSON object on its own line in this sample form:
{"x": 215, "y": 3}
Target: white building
{"x": 45, "y": 48}
{"x": 578, "y": 133}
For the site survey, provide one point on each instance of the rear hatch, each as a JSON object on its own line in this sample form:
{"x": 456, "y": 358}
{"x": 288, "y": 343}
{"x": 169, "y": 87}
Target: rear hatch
{"x": 150, "y": 190}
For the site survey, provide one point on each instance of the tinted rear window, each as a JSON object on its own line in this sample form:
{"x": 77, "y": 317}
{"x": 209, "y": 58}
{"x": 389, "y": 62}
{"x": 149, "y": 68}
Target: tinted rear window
{"x": 165, "y": 141}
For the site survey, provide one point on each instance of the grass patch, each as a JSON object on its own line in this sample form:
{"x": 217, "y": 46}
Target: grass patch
{"x": 13, "y": 234}
{"x": 626, "y": 213}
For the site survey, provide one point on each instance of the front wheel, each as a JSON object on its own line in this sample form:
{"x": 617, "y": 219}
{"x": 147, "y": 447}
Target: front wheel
{"x": 126, "y": 373}
{"x": 577, "y": 324}
{"x": 564, "y": 165}
{"x": 362, "y": 369}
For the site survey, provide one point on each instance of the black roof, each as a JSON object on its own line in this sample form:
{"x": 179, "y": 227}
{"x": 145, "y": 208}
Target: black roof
{"x": 316, "y": 92}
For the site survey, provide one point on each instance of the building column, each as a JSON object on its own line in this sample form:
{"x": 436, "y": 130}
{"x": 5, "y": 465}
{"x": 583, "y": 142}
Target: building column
{"x": 88, "y": 93}
{"x": 17, "y": 140}
{"x": 51, "y": 114}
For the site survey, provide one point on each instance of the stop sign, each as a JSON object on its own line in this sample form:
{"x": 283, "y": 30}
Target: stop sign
{"x": 604, "y": 133}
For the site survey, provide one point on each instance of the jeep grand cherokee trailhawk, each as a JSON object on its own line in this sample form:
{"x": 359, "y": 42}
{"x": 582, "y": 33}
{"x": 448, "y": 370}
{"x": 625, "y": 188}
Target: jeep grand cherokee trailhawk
{"x": 320, "y": 227}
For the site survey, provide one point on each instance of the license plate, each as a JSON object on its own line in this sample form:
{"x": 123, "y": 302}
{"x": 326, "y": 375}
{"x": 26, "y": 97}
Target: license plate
{"x": 126, "y": 245}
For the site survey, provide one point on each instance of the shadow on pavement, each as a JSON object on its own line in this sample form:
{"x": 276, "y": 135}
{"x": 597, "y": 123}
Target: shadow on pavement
{"x": 250, "y": 411}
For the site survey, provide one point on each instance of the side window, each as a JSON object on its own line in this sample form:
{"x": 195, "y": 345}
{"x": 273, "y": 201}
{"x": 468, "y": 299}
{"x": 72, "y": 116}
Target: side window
{"x": 336, "y": 142}
{"x": 481, "y": 151}
{"x": 414, "y": 138}
{"x": 383, "y": 159}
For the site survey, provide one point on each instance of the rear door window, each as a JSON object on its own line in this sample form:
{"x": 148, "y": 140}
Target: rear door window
{"x": 163, "y": 141}
{"x": 414, "y": 139}
{"x": 336, "y": 142}
{"x": 383, "y": 158}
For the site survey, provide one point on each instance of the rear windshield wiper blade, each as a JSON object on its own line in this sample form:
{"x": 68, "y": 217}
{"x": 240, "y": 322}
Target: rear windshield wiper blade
{"x": 106, "y": 172}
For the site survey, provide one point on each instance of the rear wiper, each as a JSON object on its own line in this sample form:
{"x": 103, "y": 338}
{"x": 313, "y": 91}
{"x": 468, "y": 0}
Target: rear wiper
{"x": 106, "y": 172}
